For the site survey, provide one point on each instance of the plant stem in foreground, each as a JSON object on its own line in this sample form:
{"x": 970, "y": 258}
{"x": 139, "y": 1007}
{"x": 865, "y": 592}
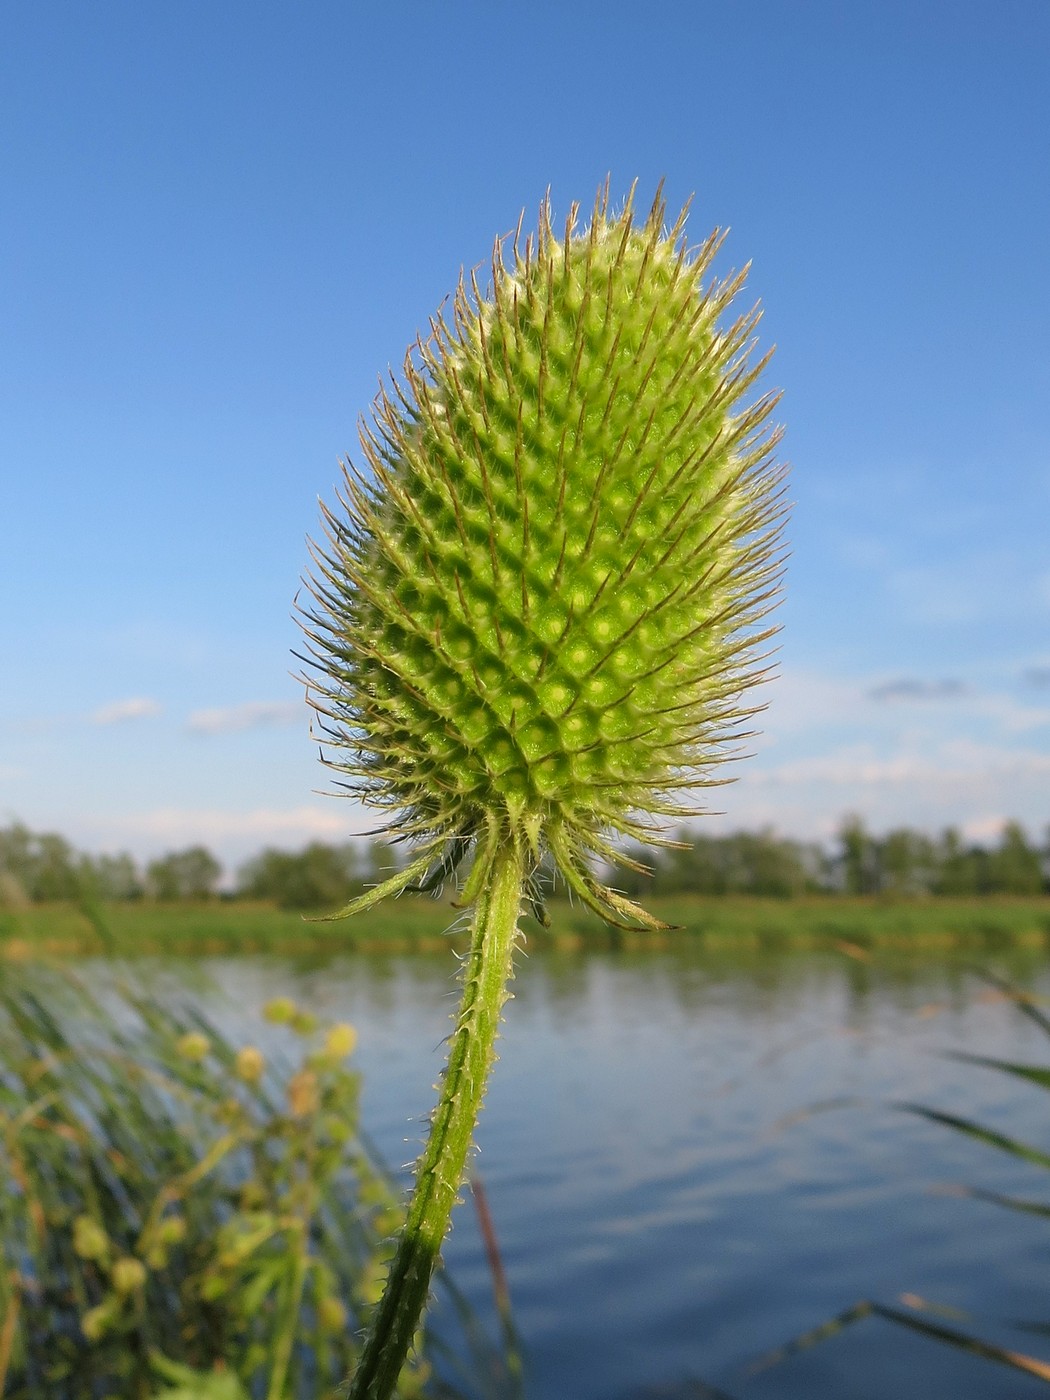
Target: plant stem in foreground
{"x": 441, "y": 1167}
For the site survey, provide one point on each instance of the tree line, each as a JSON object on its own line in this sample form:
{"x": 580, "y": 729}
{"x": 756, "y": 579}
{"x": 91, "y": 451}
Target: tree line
{"x": 858, "y": 862}
{"x": 38, "y": 867}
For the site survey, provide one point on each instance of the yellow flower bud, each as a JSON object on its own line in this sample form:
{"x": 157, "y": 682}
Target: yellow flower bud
{"x": 95, "y": 1321}
{"x": 279, "y": 1010}
{"x": 340, "y": 1041}
{"x": 128, "y": 1275}
{"x": 172, "y": 1230}
{"x": 250, "y": 1064}
{"x": 213, "y": 1287}
{"x": 193, "y": 1046}
{"x": 90, "y": 1241}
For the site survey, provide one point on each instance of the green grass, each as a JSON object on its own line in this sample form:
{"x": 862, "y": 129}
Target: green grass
{"x": 745, "y": 926}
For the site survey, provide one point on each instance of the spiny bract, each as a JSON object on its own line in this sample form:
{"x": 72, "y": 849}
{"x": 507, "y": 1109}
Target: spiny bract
{"x": 536, "y": 617}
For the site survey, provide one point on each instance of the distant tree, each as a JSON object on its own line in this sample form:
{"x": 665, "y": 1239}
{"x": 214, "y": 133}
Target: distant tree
{"x": 56, "y": 873}
{"x": 189, "y": 874}
{"x": 111, "y": 877}
{"x": 959, "y": 868}
{"x": 43, "y": 866}
{"x": 698, "y": 867}
{"x": 906, "y": 863}
{"x": 763, "y": 864}
{"x": 858, "y": 858}
{"x": 1014, "y": 867}
{"x": 16, "y": 863}
{"x": 635, "y": 884}
{"x": 748, "y": 863}
{"x": 319, "y": 877}
{"x": 378, "y": 860}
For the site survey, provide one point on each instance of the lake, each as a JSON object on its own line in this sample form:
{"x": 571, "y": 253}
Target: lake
{"x": 690, "y": 1161}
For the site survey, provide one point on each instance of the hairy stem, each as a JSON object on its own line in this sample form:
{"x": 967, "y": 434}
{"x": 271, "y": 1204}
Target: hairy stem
{"x": 441, "y": 1167}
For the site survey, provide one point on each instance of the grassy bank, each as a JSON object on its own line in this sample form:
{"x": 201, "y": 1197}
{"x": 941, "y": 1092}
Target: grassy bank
{"x": 421, "y": 925}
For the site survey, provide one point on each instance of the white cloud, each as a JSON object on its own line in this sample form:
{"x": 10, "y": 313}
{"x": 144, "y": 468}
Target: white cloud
{"x": 984, "y": 830}
{"x": 260, "y": 823}
{"x": 253, "y": 714}
{"x": 1012, "y": 717}
{"x": 231, "y": 834}
{"x": 899, "y": 750}
{"x": 120, "y": 711}
{"x": 914, "y": 781}
{"x": 957, "y": 763}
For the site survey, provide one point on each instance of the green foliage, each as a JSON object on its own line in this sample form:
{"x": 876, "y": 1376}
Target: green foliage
{"x": 745, "y": 863}
{"x": 36, "y": 866}
{"x": 111, "y": 877}
{"x": 1015, "y": 868}
{"x": 170, "y": 1201}
{"x": 184, "y": 1383}
{"x": 317, "y": 877}
{"x": 858, "y": 858}
{"x": 905, "y": 862}
{"x": 189, "y": 874}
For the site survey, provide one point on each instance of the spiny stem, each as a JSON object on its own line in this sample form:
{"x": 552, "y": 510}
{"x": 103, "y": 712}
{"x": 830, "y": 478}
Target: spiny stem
{"x": 441, "y": 1167}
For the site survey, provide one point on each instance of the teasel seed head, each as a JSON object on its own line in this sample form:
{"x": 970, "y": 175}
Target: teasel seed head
{"x": 542, "y": 599}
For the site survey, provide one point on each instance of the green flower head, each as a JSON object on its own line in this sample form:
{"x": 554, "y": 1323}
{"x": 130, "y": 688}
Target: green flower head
{"x": 544, "y": 593}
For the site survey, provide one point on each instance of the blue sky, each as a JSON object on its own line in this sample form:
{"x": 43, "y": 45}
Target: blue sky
{"x": 221, "y": 222}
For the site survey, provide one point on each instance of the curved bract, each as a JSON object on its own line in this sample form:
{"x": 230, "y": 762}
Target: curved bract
{"x": 539, "y": 607}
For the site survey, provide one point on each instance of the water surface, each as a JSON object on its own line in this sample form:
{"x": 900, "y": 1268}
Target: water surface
{"x": 669, "y": 1201}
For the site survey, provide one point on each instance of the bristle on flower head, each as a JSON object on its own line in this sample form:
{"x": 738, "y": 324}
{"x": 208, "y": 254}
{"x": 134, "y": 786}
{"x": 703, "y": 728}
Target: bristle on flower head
{"x": 539, "y": 606}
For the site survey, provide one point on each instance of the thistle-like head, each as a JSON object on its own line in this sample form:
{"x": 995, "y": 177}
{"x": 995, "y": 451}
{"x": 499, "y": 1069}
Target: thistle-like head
{"x": 540, "y": 605}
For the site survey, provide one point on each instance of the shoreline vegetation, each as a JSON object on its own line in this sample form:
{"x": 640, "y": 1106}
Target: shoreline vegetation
{"x": 743, "y": 894}
{"x": 43, "y": 867}
{"x": 179, "y": 1207}
{"x": 854, "y": 926}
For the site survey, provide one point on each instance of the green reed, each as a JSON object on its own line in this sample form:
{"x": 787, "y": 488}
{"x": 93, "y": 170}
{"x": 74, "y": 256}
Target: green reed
{"x": 176, "y": 1209}
{"x": 933, "y": 1321}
